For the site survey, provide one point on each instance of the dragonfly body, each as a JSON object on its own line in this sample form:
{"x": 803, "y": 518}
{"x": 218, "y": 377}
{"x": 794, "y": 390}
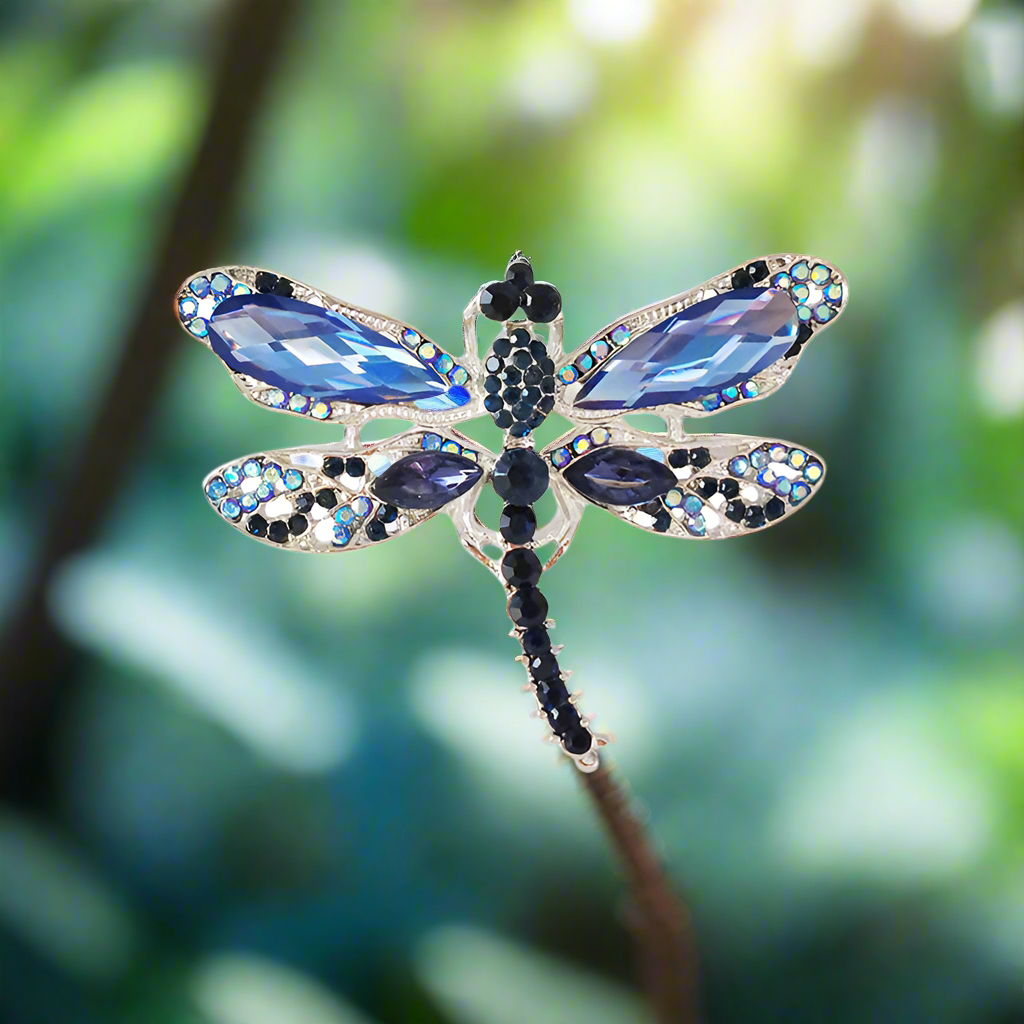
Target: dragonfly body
{"x": 295, "y": 349}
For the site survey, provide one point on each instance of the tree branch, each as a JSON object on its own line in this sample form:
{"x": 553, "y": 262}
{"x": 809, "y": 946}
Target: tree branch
{"x": 662, "y": 926}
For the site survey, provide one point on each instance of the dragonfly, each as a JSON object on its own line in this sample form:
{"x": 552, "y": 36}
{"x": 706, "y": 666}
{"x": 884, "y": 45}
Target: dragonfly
{"x": 734, "y": 339}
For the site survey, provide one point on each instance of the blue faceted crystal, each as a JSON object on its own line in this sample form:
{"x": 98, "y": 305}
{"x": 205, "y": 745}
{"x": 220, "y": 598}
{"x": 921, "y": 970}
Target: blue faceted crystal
{"x": 426, "y": 480}
{"x": 216, "y": 489}
{"x": 619, "y": 476}
{"x": 304, "y": 348}
{"x": 710, "y": 346}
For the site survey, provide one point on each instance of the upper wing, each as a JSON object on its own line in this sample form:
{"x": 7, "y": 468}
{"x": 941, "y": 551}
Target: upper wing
{"x": 297, "y": 349}
{"x": 708, "y": 486}
{"x": 734, "y": 338}
{"x": 335, "y": 498}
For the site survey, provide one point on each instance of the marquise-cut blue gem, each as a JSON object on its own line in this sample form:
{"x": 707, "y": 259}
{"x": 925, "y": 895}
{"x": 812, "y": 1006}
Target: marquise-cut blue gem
{"x": 304, "y": 348}
{"x": 619, "y": 476}
{"x": 426, "y": 480}
{"x": 707, "y": 347}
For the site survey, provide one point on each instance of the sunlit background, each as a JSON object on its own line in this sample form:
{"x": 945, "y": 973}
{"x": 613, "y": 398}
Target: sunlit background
{"x": 291, "y": 790}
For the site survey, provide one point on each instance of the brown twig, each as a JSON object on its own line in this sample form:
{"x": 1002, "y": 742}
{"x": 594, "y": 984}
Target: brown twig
{"x": 37, "y": 661}
{"x": 661, "y": 921}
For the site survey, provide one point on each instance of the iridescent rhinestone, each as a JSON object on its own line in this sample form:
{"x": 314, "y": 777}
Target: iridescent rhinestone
{"x": 673, "y": 498}
{"x": 730, "y": 394}
{"x": 249, "y": 502}
{"x": 199, "y": 286}
{"x": 782, "y": 281}
{"x": 216, "y": 489}
{"x": 581, "y": 444}
{"x": 230, "y": 509}
{"x": 292, "y": 479}
{"x": 711, "y": 402}
{"x": 241, "y": 289}
{"x": 341, "y": 536}
{"x": 823, "y": 312}
{"x": 264, "y": 492}
{"x": 568, "y": 374}
{"x": 199, "y": 327}
{"x": 800, "y": 292}
{"x": 739, "y": 465}
{"x": 585, "y": 362}
{"x": 459, "y": 375}
{"x": 813, "y": 472}
{"x": 820, "y": 274}
{"x": 410, "y": 338}
{"x": 797, "y": 458}
{"x": 271, "y": 473}
{"x": 251, "y": 467}
{"x": 798, "y": 492}
{"x": 600, "y": 349}
{"x": 620, "y": 335}
{"x": 431, "y": 442}
{"x": 274, "y": 397}
{"x": 471, "y": 455}
{"x": 320, "y": 410}
{"x": 803, "y": 313}
{"x": 783, "y": 486}
{"x": 766, "y": 477}
{"x": 778, "y": 452}
{"x": 696, "y": 526}
{"x": 187, "y": 307}
{"x": 692, "y": 505}
{"x": 427, "y": 351}
{"x": 600, "y": 436}
{"x": 749, "y": 389}
{"x": 759, "y": 459}
{"x": 833, "y": 293}
{"x": 453, "y": 447}
{"x": 298, "y": 403}
{"x": 232, "y": 476}
{"x": 220, "y": 283}
{"x": 362, "y": 506}
{"x": 561, "y": 457}
{"x": 444, "y": 363}
{"x": 345, "y": 515}
{"x": 800, "y": 271}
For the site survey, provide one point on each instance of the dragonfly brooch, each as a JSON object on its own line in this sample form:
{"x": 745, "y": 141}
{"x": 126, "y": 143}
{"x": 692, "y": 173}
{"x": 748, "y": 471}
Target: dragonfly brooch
{"x": 733, "y": 339}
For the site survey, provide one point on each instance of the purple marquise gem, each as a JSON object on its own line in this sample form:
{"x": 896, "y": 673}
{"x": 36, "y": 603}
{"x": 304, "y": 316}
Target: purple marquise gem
{"x": 426, "y": 480}
{"x": 714, "y": 344}
{"x": 619, "y": 476}
{"x": 313, "y": 351}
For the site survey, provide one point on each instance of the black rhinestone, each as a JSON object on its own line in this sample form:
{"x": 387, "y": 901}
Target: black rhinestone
{"x": 678, "y": 458}
{"x": 734, "y": 510}
{"x": 499, "y": 300}
{"x": 522, "y": 410}
{"x": 541, "y": 302}
{"x": 533, "y": 376}
{"x": 334, "y": 467}
{"x": 547, "y": 365}
{"x": 493, "y": 364}
{"x": 662, "y": 521}
{"x": 729, "y": 487}
{"x": 518, "y": 523}
{"x": 492, "y": 403}
{"x": 577, "y": 740}
{"x": 741, "y": 279}
{"x": 544, "y": 666}
{"x": 652, "y": 508}
{"x": 387, "y": 513}
{"x": 535, "y": 419}
{"x": 706, "y": 486}
{"x": 551, "y": 692}
{"x": 547, "y": 384}
{"x": 700, "y": 457}
{"x": 512, "y": 375}
{"x": 754, "y": 516}
{"x": 531, "y": 395}
{"x": 519, "y": 429}
{"x": 375, "y": 529}
{"x": 492, "y": 384}
{"x": 503, "y": 419}
{"x": 547, "y": 403}
{"x": 538, "y": 349}
{"x": 522, "y": 359}
{"x": 520, "y": 273}
{"x": 758, "y": 270}
{"x": 520, "y": 337}
{"x": 774, "y": 508}
{"x": 327, "y": 498}
{"x": 801, "y": 339}
{"x": 501, "y": 347}
{"x": 512, "y": 395}
{"x": 278, "y": 531}
{"x": 284, "y": 287}
{"x": 355, "y": 467}
{"x": 520, "y": 476}
{"x": 265, "y": 282}
{"x": 528, "y": 607}
{"x": 563, "y": 718}
{"x": 298, "y": 524}
{"x": 535, "y": 640}
{"x": 257, "y": 526}
{"x": 521, "y": 568}
{"x": 303, "y": 501}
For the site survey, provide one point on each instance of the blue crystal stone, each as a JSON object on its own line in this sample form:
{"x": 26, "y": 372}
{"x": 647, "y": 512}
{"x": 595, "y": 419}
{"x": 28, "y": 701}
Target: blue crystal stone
{"x": 216, "y": 489}
{"x": 249, "y": 502}
{"x": 426, "y": 480}
{"x": 692, "y": 505}
{"x": 232, "y": 476}
{"x": 199, "y": 286}
{"x": 454, "y": 398}
{"x": 362, "y": 506}
{"x": 251, "y": 467}
{"x": 230, "y": 509}
{"x": 739, "y": 465}
{"x": 300, "y": 347}
{"x": 798, "y": 492}
{"x": 714, "y": 344}
{"x": 342, "y": 535}
{"x": 292, "y": 479}
{"x": 431, "y": 442}
{"x": 619, "y": 476}
{"x": 187, "y": 307}
{"x": 221, "y": 284}
{"x": 345, "y": 515}
{"x": 264, "y": 492}
{"x": 198, "y": 327}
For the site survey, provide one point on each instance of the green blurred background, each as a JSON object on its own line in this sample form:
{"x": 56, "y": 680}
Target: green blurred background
{"x": 306, "y": 791}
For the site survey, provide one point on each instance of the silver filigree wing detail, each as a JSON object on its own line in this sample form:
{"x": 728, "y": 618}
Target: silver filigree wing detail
{"x": 810, "y": 293}
{"x": 200, "y": 295}
{"x": 706, "y": 486}
{"x": 334, "y": 497}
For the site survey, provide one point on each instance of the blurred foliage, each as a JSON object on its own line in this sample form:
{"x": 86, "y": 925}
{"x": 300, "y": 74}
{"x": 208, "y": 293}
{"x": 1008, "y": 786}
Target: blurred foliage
{"x": 300, "y": 790}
